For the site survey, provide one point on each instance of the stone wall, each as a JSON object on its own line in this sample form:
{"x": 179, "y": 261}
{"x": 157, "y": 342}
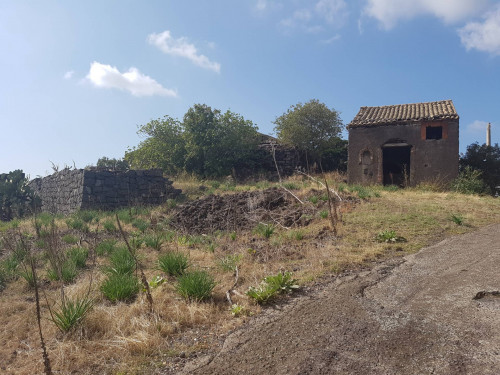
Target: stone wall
{"x": 69, "y": 190}
{"x": 287, "y": 158}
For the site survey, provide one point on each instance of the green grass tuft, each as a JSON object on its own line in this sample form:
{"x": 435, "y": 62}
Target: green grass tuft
{"x": 196, "y": 285}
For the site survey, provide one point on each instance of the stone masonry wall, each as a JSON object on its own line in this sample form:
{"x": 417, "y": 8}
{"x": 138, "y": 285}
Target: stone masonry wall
{"x": 67, "y": 191}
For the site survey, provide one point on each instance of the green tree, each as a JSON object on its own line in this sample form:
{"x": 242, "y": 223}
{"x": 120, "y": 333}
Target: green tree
{"x": 15, "y": 195}
{"x": 216, "y": 143}
{"x": 485, "y": 159}
{"x": 164, "y": 146}
{"x": 113, "y": 164}
{"x": 309, "y": 127}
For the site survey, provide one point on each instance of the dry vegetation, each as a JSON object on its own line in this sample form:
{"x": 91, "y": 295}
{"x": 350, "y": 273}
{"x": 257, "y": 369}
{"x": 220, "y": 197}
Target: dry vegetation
{"x": 124, "y": 338}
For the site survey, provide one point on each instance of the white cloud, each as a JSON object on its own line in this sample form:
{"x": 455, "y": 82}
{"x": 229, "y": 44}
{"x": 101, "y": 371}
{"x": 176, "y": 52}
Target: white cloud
{"x": 389, "y": 12}
{"x": 181, "y": 47}
{"x": 331, "y": 40}
{"x": 333, "y": 11}
{"x": 68, "y": 74}
{"x": 261, "y": 5}
{"x": 132, "y": 81}
{"x": 483, "y": 36}
{"x": 477, "y": 127}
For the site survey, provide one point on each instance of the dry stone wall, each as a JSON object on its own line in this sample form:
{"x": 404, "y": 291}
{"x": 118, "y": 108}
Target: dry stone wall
{"x": 69, "y": 190}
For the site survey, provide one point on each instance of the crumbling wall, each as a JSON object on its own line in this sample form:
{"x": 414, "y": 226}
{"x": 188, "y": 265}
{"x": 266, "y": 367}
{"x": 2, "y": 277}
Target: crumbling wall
{"x": 69, "y": 190}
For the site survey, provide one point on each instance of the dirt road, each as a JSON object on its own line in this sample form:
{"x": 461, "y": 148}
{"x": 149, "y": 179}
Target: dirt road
{"x": 414, "y": 317}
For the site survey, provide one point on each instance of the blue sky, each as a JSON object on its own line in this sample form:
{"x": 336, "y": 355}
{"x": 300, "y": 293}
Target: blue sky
{"x": 77, "y": 78}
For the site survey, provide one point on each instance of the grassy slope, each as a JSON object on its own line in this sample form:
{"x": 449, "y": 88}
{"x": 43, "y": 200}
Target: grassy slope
{"x": 122, "y": 337}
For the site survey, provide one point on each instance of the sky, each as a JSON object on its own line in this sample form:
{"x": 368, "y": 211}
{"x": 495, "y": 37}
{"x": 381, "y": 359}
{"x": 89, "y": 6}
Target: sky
{"x": 79, "y": 77}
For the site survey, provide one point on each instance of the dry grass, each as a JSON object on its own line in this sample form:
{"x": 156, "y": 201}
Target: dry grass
{"x": 124, "y": 338}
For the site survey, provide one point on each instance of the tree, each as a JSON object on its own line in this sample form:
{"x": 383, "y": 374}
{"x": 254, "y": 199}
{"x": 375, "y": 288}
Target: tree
{"x": 485, "y": 159}
{"x": 15, "y": 195}
{"x": 113, "y": 164}
{"x": 163, "y": 148}
{"x": 309, "y": 127}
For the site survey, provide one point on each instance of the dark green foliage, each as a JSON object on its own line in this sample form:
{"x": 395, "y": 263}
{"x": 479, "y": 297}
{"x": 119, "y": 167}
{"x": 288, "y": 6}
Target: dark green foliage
{"x": 71, "y": 313}
{"x": 16, "y": 198}
{"x": 105, "y": 247}
{"x": 154, "y": 241}
{"x": 312, "y": 128}
{"x": 121, "y": 262}
{"x": 78, "y": 255}
{"x": 207, "y": 143}
{"x": 469, "y": 181}
{"x": 113, "y": 164}
{"x": 173, "y": 263}
{"x": 195, "y": 285}
{"x": 485, "y": 159}
{"x": 120, "y": 287}
{"x": 68, "y": 272}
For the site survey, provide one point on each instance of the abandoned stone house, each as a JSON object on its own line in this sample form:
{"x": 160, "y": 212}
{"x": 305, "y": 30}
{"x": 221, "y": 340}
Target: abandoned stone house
{"x": 404, "y": 144}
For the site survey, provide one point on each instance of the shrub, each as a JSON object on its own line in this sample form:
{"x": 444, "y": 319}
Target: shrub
{"x": 105, "y": 247}
{"x": 68, "y": 272}
{"x": 109, "y": 226}
{"x": 70, "y": 239}
{"x": 78, "y": 255}
{"x": 77, "y": 224}
{"x": 173, "y": 263}
{"x": 196, "y": 285}
{"x": 140, "y": 224}
{"x": 265, "y": 230}
{"x": 272, "y": 286}
{"x": 154, "y": 241}
{"x": 469, "y": 182}
{"x": 121, "y": 262}
{"x": 389, "y": 236}
{"x": 120, "y": 287}
{"x": 71, "y": 313}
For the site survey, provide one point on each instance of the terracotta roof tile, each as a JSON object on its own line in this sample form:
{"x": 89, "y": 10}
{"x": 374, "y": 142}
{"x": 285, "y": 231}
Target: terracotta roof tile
{"x": 393, "y": 114}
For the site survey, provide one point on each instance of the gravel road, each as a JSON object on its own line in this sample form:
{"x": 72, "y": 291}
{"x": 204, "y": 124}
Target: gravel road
{"x": 416, "y": 316}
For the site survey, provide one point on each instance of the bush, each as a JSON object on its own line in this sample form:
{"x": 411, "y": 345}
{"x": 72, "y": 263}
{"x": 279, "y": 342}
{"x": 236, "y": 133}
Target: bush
{"x": 78, "y": 255}
{"x": 105, "y": 247}
{"x": 120, "y": 287}
{"x": 196, "y": 285}
{"x": 154, "y": 241}
{"x": 469, "y": 182}
{"x": 71, "y": 313}
{"x": 173, "y": 263}
{"x": 121, "y": 262}
{"x": 272, "y": 286}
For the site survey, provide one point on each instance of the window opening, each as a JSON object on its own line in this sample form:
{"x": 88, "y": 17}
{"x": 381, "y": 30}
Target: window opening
{"x": 434, "y": 132}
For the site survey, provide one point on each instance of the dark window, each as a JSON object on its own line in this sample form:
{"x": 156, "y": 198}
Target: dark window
{"x": 434, "y": 132}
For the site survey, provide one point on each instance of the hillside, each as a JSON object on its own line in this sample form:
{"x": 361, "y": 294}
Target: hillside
{"x": 234, "y": 235}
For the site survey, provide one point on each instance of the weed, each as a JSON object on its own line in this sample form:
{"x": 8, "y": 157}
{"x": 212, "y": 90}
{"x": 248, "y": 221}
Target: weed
{"x": 389, "y": 236}
{"x": 297, "y": 235}
{"x": 323, "y": 214}
{"x": 215, "y": 184}
{"x": 237, "y": 310}
{"x": 27, "y": 275}
{"x": 469, "y": 181}
{"x": 457, "y": 219}
{"x": 232, "y": 236}
{"x": 120, "y": 287}
{"x": 154, "y": 241}
{"x": 135, "y": 242}
{"x": 173, "y": 263}
{"x": 272, "y": 286}
{"x": 70, "y": 239}
{"x": 125, "y": 215}
{"x": 229, "y": 262}
{"x": 156, "y": 282}
{"x": 171, "y": 204}
{"x": 71, "y": 313}
{"x": 68, "y": 272}
{"x": 105, "y": 247}
{"x": 196, "y": 285}
{"x": 88, "y": 216}
{"x": 291, "y": 186}
{"x": 77, "y": 224}
{"x": 109, "y": 226}
{"x": 140, "y": 224}
{"x": 314, "y": 199}
{"x": 265, "y": 230}
{"x": 121, "y": 262}
{"x": 78, "y": 255}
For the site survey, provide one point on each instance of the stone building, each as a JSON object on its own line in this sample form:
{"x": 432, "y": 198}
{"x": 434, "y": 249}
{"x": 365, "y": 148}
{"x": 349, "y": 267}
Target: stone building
{"x": 71, "y": 190}
{"x": 404, "y": 144}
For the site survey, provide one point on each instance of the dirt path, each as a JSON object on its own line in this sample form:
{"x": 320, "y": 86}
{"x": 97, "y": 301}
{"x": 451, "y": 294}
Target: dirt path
{"x": 415, "y": 317}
